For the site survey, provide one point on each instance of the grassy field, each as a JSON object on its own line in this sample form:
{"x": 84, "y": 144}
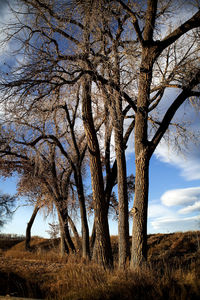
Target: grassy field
{"x": 172, "y": 272}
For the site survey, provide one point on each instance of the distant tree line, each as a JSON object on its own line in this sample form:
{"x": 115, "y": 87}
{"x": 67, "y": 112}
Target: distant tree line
{"x": 10, "y": 236}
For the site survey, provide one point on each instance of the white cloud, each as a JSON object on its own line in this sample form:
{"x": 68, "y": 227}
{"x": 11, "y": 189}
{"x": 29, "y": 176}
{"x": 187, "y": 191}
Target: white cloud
{"x": 188, "y": 162}
{"x": 191, "y": 208}
{"x": 170, "y": 224}
{"x": 167, "y": 217}
{"x": 183, "y": 197}
{"x": 158, "y": 210}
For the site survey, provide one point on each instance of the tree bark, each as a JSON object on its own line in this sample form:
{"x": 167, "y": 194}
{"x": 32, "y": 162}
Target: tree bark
{"x": 84, "y": 222}
{"x": 75, "y": 233}
{"x": 29, "y": 226}
{"x": 93, "y": 237}
{"x": 63, "y": 219}
{"x": 104, "y": 256}
{"x": 63, "y": 245}
{"x": 118, "y": 120}
{"x": 139, "y": 232}
{"x": 123, "y": 222}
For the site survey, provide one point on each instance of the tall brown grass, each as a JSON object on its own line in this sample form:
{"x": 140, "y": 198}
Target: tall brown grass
{"x": 172, "y": 271}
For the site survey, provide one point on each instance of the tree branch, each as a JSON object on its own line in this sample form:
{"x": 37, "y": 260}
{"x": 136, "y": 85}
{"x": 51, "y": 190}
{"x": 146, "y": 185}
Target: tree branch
{"x": 187, "y": 92}
{"x": 190, "y": 24}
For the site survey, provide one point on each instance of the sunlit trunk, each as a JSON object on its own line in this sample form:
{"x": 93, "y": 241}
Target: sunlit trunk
{"x": 29, "y": 226}
{"x": 104, "y": 251}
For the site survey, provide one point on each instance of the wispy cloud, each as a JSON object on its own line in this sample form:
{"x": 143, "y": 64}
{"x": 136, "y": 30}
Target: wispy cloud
{"x": 191, "y": 208}
{"x": 188, "y": 161}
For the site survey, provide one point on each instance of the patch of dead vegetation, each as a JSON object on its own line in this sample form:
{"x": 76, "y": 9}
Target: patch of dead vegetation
{"x": 172, "y": 272}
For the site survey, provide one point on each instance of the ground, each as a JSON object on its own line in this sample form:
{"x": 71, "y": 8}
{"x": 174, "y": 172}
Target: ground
{"x": 172, "y": 272}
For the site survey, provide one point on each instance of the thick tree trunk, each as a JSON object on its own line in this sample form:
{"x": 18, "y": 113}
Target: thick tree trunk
{"x": 104, "y": 256}
{"x": 139, "y": 232}
{"x": 63, "y": 245}
{"x": 123, "y": 222}
{"x": 142, "y": 145}
{"x": 84, "y": 222}
{"x": 29, "y": 226}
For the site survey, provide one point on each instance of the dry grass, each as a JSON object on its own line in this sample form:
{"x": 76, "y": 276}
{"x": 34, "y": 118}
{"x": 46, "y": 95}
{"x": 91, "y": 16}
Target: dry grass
{"x": 173, "y": 272}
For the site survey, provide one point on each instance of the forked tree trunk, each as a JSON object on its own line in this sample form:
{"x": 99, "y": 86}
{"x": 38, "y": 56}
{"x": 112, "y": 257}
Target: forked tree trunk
{"x": 104, "y": 251}
{"x": 29, "y": 226}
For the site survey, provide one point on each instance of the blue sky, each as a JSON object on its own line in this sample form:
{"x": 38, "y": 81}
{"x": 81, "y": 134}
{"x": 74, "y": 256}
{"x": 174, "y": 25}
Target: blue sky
{"x": 174, "y": 191}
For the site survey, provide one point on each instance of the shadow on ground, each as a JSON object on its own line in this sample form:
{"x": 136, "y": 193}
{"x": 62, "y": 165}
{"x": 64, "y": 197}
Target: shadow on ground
{"x": 13, "y": 285}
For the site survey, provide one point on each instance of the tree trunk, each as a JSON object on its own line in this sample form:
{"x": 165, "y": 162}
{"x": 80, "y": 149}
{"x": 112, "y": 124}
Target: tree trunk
{"x": 142, "y": 145}
{"x": 63, "y": 245}
{"x": 104, "y": 256}
{"x": 118, "y": 120}
{"x": 75, "y": 233}
{"x": 93, "y": 237}
{"x": 123, "y": 222}
{"x": 63, "y": 219}
{"x": 139, "y": 232}
{"x": 29, "y": 226}
{"x": 84, "y": 222}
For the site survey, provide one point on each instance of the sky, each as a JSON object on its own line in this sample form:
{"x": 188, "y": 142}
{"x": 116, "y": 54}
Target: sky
{"x": 174, "y": 187}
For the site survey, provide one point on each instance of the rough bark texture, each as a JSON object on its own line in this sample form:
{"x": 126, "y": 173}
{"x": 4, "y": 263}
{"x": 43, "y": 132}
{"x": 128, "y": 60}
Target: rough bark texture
{"x": 104, "y": 252}
{"x": 63, "y": 245}
{"x": 29, "y": 226}
{"x": 139, "y": 232}
{"x": 118, "y": 120}
{"x": 123, "y": 222}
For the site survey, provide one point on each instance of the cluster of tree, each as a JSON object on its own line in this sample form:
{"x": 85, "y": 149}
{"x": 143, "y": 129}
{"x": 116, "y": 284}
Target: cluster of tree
{"x": 87, "y": 75}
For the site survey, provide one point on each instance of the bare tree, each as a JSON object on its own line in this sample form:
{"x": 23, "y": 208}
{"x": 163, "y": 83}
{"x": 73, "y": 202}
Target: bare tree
{"x": 7, "y": 205}
{"x": 79, "y": 42}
